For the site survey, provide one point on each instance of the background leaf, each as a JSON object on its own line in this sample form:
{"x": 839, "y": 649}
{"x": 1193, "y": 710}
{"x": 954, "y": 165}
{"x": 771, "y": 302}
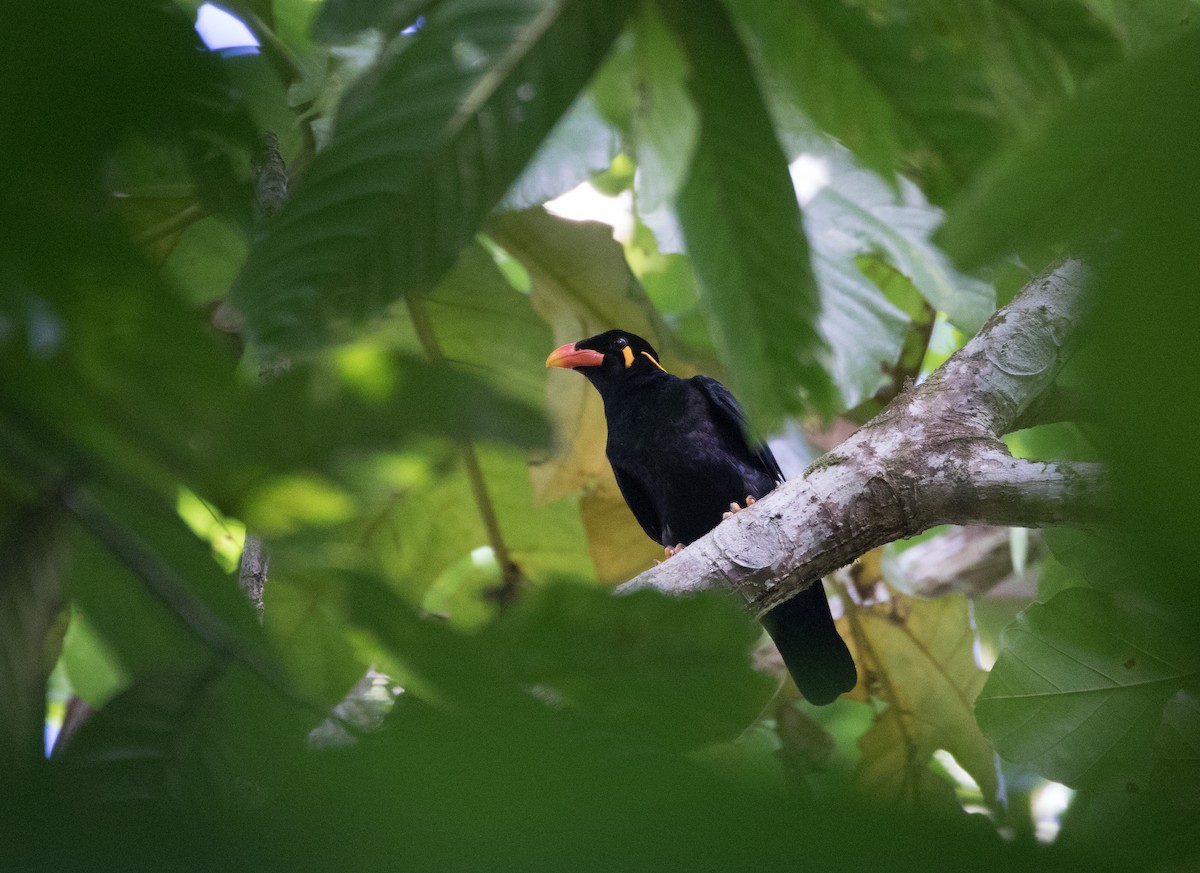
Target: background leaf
{"x": 921, "y": 654}
{"x": 32, "y": 623}
{"x": 425, "y": 146}
{"x": 891, "y": 92}
{"x": 743, "y": 229}
{"x": 1080, "y": 686}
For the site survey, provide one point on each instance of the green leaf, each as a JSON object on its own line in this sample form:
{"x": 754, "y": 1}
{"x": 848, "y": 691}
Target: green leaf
{"x": 642, "y": 91}
{"x": 481, "y": 327}
{"x": 205, "y": 261}
{"x": 144, "y": 747}
{"x": 1031, "y": 54}
{"x": 163, "y": 587}
{"x": 429, "y": 527}
{"x": 743, "y": 229}
{"x": 854, "y": 215}
{"x": 337, "y": 20}
{"x": 1118, "y": 155}
{"x": 675, "y": 670}
{"x": 1079, "y": 687}
{"x": 93, "y": 670}
{"x": 888, "y": 90}
{"x": 304, "y": 622}
{"x": 135, "y": 378}
{"x": 32, "y": 621}
{"x": 425, "y": 145}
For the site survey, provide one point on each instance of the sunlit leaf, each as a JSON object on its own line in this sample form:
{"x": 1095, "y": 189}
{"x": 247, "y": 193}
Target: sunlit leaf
{"x": 579, "y": 147}
{"x": 303, "y": 619}
{"x": 642, "y": 90}
{"x": 856, "y": 213}
{"x": 93, "y": 670}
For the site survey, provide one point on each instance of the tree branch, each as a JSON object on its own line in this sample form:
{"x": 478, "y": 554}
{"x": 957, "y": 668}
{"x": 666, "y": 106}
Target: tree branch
{"x": 968, "y": 560}
{"x": 932, "y": 456}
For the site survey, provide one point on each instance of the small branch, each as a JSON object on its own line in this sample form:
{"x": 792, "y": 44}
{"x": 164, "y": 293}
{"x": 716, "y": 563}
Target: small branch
{"x": 270, "y": 192}
{"x": 252, "y": 571}
{"x": 933, "y": 456}
{"x": 270, "y": 177}
{"x": 968, "y": 560}
{"x": 1008, "y": 491}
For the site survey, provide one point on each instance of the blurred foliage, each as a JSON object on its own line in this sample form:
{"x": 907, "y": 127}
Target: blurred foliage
{"x": 359, "y": 381}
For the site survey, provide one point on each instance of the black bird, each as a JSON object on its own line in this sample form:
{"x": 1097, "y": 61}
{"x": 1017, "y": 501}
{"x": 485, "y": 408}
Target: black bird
{"x": 681, "y": 456}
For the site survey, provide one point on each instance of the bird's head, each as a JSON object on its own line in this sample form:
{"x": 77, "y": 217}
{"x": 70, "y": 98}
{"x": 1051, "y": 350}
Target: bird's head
{"x": 609, "y": 358}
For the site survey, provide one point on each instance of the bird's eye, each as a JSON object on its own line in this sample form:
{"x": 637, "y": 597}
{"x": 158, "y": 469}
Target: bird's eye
{"x": 621, "y": 342}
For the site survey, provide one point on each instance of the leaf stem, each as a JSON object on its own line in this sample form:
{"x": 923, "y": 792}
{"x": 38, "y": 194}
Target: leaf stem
{"x": 869, "y": 660}
{"x": 510, "y": 572}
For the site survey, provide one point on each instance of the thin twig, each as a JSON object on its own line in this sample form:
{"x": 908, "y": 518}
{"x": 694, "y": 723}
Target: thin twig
{"x": 181, "y": 220}
{"x": 510, "y": 573}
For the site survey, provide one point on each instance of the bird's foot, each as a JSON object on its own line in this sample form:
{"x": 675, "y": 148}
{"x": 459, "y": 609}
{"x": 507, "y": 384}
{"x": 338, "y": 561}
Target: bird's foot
{"x": 672, "y": 551}
{"x": 734, "y": 509}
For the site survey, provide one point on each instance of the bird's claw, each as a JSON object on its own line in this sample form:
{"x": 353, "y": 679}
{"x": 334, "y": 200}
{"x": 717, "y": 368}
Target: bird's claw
{"x": 672, "y": 551}
{"x": 734, "y": 509}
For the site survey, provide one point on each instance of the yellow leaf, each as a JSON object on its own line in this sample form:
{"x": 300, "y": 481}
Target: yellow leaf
{"x": 919, "y": 657}
{"x": 618, "y": 546}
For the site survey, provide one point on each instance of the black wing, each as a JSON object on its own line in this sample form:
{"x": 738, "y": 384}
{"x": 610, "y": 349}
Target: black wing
{"x": 726, "y": 406}
{"x": 639, "y": 502}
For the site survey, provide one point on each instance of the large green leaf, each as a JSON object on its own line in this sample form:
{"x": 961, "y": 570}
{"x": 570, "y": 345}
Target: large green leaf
{"x": 579, "y": 147}
{"x": 144, "y": 748}
{"x": 1079, "y": 688}
{"x": 135, "y": 379}
{"x": 676, "y": 670}
{"x": 1118, "y": 155}
{"x": 425, "y": 145}
{"x": 33, "y": 562}
{"x": 743, "y": 229}
{"x": 1031, "y": 54}
{"x": 856, "y": 213}
{"x": 889, "y": 90}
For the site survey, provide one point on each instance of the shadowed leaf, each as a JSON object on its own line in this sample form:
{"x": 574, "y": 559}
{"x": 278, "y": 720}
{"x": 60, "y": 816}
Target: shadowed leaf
{"x": 425, "y": 145}
{"x": 1079, "y": 688}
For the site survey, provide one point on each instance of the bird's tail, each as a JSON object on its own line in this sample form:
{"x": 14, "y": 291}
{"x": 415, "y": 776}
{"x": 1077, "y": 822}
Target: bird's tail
{"x": 812, "y": 649}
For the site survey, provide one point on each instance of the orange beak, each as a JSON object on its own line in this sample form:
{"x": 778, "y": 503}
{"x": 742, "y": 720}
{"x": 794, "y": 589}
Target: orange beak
{"x": 568, "y": 357}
